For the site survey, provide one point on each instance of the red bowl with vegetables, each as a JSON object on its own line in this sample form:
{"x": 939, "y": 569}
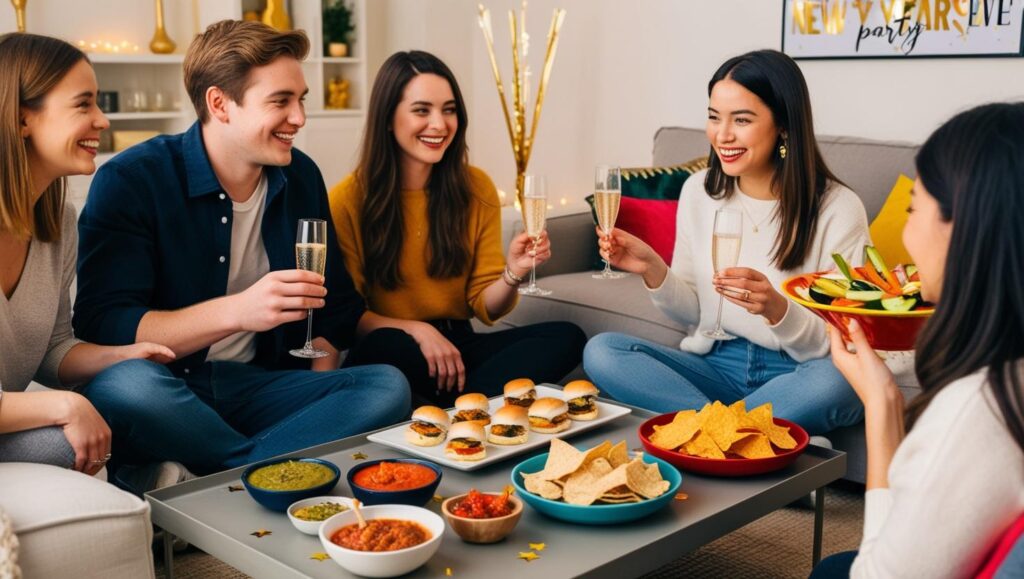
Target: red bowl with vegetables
{"x": 885, "y": 302}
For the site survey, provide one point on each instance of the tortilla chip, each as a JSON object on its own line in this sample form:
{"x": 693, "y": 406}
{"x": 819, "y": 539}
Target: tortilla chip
{"x": 678, "y": 432}
{"x": 722, "y": 425}
{"x": 582, "y": 486}
{"x": 754, "y": 445}
{"x": 563, "y": 459}
{"x": 619, "y": 454}
{"x": 544, "y": 488}
{"x": 618, "y": 500}
{"x": 703, "y": 446}
{"x": 739, "y": 408}
{"x": 645, "y": 479}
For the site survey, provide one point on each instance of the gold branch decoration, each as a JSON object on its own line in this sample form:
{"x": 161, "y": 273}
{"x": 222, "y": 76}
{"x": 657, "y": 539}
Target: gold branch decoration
{"x": 516, "y": 120}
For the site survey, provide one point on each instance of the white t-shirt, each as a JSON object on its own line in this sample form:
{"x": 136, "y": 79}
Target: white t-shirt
{"x": 248, "y": 265}
{"x": 688, "y": 296}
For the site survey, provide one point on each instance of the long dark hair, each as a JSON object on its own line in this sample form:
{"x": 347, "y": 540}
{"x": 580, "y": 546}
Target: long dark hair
{"x": 378, "y": 175}
{"x": 800, "y": 179}
{"x": 971, "y": 166}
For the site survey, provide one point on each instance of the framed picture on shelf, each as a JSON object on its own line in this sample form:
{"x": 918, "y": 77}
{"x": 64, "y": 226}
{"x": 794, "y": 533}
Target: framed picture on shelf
{"x": 901, "y": 28}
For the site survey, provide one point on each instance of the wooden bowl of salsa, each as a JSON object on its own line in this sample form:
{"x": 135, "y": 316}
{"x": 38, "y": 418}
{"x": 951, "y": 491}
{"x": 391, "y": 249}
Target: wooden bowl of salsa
{"x": 482, "y": 517}
{"x": 398, "y": 539}
{"x": 395, "y": 481}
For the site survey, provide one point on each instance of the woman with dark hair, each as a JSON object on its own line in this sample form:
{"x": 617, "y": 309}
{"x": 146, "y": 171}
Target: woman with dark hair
{"x": 764, "y": 164}
{"x": 945, "y": 478}
{"x": 421, "y": 233}
{"x": 50, "y": 129}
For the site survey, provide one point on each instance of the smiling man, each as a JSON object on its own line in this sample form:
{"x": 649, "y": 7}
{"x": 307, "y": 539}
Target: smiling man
{"x": 188, "y": 240}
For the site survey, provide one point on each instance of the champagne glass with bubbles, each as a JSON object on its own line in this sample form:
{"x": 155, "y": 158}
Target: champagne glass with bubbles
{"x": 607, "y": 194}
{"x": 535, "y": 209}
{"x": 725, "y": 252}
{"x": 311, "y": 255}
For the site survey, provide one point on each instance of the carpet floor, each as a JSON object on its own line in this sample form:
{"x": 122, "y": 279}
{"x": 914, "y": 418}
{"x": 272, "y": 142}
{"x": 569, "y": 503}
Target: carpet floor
{"x": 777, "y": 546}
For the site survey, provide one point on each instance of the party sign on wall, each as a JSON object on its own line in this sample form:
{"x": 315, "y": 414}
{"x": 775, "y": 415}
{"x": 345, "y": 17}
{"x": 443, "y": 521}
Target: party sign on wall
{"x": 901, "y": 28}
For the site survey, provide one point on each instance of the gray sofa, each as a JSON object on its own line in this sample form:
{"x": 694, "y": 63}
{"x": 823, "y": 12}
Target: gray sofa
{"x": 869, "y": 167}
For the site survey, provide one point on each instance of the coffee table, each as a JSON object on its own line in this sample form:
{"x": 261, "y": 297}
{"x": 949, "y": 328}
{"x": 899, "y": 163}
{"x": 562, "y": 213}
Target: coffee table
{"x": 207, "y": 514}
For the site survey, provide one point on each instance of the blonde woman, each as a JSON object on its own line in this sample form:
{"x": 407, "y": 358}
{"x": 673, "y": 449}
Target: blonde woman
{"x": 49, "y": 129}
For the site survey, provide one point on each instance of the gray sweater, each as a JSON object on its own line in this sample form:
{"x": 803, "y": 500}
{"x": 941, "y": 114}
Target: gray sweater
{"x": 35, "y": 324}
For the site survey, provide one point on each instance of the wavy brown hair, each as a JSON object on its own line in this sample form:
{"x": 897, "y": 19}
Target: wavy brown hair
{"x": 378, "y": 175}
{"x": 802, "y": 178}
{"x": 30, "y": 66}
{"x": 971, "y": 166}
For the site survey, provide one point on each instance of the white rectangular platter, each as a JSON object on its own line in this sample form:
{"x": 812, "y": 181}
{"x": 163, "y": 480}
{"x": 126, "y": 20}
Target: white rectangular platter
{"x": 395, "y": 437}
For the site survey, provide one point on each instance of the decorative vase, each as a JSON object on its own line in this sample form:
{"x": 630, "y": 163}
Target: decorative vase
{"x": 161, "y": 43}
{"x": 19, "y": 11}
{"x": 276, "y": 16}
{"x": 337, "y": 49}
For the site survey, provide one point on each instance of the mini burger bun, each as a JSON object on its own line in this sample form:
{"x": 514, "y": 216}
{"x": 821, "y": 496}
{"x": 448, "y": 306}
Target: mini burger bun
{"x": 413, "y": 437}
{"x": 472, "y": 431}
{"x": 578, "y": 388}
{"x": 433, "y": 415}
{"x": 548, "y": 408}
{"x": 472, "y": 401}
{"x": 509, "y": 416}
{"x": 519, "y": 387}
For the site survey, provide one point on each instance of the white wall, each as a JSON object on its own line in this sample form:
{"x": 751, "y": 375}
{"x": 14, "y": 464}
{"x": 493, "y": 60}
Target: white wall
{"x": 625, "y": 68}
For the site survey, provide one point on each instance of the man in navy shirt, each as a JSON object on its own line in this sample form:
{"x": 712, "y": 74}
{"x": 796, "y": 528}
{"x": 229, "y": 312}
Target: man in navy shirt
{"x": 189, "y": 241}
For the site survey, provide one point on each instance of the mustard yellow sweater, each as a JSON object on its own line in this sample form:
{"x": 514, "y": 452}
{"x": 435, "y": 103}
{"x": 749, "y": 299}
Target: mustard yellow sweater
{"x": 418, "y": 296}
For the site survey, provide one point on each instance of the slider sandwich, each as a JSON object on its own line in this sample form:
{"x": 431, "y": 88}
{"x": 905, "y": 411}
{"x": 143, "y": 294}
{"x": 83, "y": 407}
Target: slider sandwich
{"x": 472, "y": 408}
{"x": 582, "y": 398}
{"x": 466, "y": 442}
{"x": 520, "y": 392}
{"x": 549, "y": 415}
{"x": 509, "y": 425}
{"x": 429, "y": 426}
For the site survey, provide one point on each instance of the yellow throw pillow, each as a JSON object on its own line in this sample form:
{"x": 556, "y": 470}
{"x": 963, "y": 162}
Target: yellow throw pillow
{"x": 887, "y": 228}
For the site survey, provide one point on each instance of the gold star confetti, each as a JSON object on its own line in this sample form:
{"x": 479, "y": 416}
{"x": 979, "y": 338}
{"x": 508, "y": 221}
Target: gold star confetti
{"x": 358, "y": 456}
{"x": 320, "y": 556}
{"x": 537, "y": 546}
{"x": 261, "y": 533}
{"x": 438, "y": 499}
{"x": 682, "y": 496}
{"x": 528, "y": 556}
{"x": 447, "y": 571}
{"x": 235, "y": 488}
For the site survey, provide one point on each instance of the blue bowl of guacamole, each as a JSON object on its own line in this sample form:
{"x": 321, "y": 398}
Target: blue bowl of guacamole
{"x": 278, "y": 483}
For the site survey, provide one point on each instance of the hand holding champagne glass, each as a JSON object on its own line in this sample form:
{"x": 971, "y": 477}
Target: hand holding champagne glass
{"x": 725, "y": 252}
{"x": 607, "y": 194}
{"x": 311, "y": 255}
{"x": 535, "y": 209}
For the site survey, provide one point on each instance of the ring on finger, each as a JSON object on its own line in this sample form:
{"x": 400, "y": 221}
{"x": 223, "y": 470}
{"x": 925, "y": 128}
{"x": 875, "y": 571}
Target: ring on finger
{"x": 746, "y": 295}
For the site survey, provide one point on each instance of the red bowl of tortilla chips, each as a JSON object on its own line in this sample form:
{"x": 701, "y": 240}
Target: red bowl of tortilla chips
{"x": 731, "y": 465}
{"x": 884, "y": 330}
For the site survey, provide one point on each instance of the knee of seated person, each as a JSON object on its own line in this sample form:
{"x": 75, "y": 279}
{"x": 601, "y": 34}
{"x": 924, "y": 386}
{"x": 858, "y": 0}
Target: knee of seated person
{"x": 598, "y": 348}
{"x": 387, "y": 338}
{"x": 126, "y": 379}
{"x": 393, "y": 391}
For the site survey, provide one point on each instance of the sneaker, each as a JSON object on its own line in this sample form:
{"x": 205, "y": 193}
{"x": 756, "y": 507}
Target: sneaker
{"x": 807, "y": 501}
{"x": 141, "y": 479}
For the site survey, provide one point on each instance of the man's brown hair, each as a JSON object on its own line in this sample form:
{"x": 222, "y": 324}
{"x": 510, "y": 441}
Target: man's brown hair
{"x": 227, "y": 51}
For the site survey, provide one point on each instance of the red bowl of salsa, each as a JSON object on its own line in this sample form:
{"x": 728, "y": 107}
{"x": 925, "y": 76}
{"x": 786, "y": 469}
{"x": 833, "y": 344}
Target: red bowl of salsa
{"x": 482, "y": 517}
{"x": 391, "y": 481}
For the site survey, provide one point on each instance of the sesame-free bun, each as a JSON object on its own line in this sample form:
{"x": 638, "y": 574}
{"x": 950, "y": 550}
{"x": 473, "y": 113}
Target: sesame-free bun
{"x": 472, "y": 431}
{"x": 509, "y": 416}
{"x": 472, "y": 401}
{"x": 578, "y": 388}
{"x": 548, "y": 408}
{"x": 433, "y": 415}
{"x": 586, "y": 415}
{"x": 519, "y": 387}
{"x": 413, "y": 437}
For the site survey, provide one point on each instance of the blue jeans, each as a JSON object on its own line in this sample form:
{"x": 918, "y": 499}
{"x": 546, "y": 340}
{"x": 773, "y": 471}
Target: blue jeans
{"x": 834, "y": 566}
{"x": 230, "y": 414}
{"x": 642, "y": 373}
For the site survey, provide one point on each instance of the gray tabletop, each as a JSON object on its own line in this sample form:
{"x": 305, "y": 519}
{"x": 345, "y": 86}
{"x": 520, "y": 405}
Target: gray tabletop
{"x": 207, "y": 514}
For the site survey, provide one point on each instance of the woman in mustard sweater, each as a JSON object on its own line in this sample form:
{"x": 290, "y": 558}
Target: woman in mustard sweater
{"x": 420, "y": 230}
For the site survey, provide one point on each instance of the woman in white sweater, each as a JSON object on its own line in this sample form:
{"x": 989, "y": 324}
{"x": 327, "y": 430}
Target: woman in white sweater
{"x": 765, "y": 165}
{"x": 946, "y": 479}
{"x": 50, "y": 129}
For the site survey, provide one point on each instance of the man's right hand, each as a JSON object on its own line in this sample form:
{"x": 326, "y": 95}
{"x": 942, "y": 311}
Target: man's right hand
{"x": 278, "y": 298}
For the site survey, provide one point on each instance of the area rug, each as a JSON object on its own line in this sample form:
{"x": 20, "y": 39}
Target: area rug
{"x": 775, "y": 546}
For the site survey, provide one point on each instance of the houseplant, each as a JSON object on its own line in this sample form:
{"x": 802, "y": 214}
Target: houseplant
{"x": 337, "y": 25}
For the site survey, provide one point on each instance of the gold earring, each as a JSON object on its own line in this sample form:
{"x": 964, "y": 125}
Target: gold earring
{"x": 782, "y": 150}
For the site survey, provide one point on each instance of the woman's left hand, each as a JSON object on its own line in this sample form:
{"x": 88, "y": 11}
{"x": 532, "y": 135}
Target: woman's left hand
{"x": 522, "y": 251}
{"x": 752, "y": 291}
{"x": 146, "y": 351}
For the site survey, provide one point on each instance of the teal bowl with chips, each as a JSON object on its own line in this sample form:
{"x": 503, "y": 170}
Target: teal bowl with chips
{"x": 597, "y": 514}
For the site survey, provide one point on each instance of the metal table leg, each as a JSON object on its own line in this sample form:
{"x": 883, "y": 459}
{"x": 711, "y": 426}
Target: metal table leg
{"x": 819, "y": 521}
{"x": 169, "y": 554}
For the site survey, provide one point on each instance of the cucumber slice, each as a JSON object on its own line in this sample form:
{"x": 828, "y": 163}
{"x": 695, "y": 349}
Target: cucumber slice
{"x": 864, "y": 296}
{"x": 830, "y": 287}
{"x": 873, "y": 305}
{"x": 864, "y": 286}
{"x": 843, "y": 266}
{"x": 872, "y": 256}
{"x": 911, "y": 269}
{"x": 819, "y": 296}
{"x": 898, "y": 304}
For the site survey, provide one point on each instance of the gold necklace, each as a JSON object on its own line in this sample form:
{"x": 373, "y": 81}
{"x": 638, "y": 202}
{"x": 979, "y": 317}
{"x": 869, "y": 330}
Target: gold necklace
{"x": 755, "y": 224}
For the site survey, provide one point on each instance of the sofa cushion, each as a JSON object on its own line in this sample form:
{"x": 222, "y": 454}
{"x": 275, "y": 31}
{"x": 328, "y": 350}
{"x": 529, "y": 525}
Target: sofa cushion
{"x": 887, "y": 228}
{"x": 73, "y": 525}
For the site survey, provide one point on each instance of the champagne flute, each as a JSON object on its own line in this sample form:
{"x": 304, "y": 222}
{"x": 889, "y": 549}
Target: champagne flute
{"x": 311, "y": 255}
{"x": 725, "y": 252}
{"x": 535, "y": 208}
{"x": 607, "y": 194}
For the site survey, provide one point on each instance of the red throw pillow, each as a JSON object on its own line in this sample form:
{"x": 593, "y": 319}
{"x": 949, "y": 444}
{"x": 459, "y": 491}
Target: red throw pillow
{"x": 652, "y": 220}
